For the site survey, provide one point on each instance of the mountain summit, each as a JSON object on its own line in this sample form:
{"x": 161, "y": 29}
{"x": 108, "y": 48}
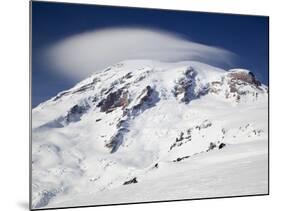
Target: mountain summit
{"x": 139, "y": 122}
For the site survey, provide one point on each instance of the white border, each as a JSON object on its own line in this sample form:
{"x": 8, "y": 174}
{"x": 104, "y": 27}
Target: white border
{"x": 15, "y": 99}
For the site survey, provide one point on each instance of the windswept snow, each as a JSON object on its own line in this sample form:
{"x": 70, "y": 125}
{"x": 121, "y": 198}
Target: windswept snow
{"x": 234, "y": 171}
{"x": 143, "y": 130}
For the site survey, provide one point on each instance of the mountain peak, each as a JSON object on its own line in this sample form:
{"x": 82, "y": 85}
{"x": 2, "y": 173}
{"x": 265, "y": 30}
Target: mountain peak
{"x": 164, "y": 112}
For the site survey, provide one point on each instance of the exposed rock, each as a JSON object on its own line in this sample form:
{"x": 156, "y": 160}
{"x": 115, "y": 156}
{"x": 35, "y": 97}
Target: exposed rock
{"x": 181, "y": 158}
{"x": 60, "y": 95}
{"x": 172, "y": 146}
{"x": 205, "y": 124}
{"x": 75, "y": 113}
{"x": 211, "y": 146}
{"x": 117, "y": 139}
{"x": 216, "y": 83}
{"x": 142, "y": 76}
{"x": 122, "y": 80}
{"x": 128, "y": 75}
{"x": 216, "y": 87}
{"x": 119, "y": 98}
{"x": 222, "y": 145}
{"x": 109, "y": 90}
{"x": 87, "y": 86}
{"x": 244, "y": 76}
{"x": 147, "y": 99}
{"x": 185, "y": 87}
{"x": 239, "y": 79}
{"x": 107, "y": 69}
{"x": 181, "y": 139}
{"x": 81, "y": 89}
{"x": 236, "y": 84}
{"x": 134, "y": 180}
{"x": 146, "y": 93}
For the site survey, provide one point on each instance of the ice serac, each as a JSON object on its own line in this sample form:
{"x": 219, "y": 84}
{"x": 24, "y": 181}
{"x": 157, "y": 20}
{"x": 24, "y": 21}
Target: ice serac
{"x": 133, "y": 123}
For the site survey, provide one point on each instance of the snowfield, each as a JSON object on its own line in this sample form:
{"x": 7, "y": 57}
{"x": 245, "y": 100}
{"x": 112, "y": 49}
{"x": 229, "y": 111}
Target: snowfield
{"x": 238, "y": 170}
{"x": 144, "y": 130}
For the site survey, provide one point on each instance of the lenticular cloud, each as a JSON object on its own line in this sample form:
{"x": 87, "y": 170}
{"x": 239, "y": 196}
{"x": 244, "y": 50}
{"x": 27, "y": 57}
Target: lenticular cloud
{"x": 81, "y": 55}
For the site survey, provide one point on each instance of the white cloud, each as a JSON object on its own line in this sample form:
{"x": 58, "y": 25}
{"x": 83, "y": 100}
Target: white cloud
{"x": 81, "y": 55}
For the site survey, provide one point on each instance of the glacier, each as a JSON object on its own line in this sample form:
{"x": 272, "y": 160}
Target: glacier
{"x": 143, "y": 130}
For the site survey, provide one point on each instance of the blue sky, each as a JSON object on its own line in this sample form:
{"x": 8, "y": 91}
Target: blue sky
{"x": 245, "y": 36}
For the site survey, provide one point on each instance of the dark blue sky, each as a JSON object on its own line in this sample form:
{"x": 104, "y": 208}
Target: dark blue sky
{"x": 246, "y": 36}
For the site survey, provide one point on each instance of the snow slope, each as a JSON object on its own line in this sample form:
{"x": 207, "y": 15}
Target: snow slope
{"x": 203, "y": 176}
{"x": 153, "y": 131}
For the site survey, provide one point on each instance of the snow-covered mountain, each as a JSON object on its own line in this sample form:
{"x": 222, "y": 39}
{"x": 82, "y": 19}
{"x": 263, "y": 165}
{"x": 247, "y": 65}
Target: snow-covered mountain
{"x": 147, "y": 131}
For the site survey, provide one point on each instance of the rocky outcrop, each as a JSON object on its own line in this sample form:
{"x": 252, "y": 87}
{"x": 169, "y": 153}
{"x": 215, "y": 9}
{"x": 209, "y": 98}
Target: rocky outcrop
{"x": 236, "y": 84}
{"x": 244, "y": 77}
{"x": 180, "y": 159}
{"x": 205, "y": 124}
{"x": 184, "y": 85}
{"x": 117, "y": 139}
{"x": 147, "y": 99}
{"x": 113, "y": 100}
{"x": 88, "y": 86}
{"x": 185, "y": 89}
{"x": 134, "y": 180}
{"x": 222, "y": 145}
{"x": 81, "y": 89}
{"x": 182, "y": 139}
{"x": 75, "y": 113}
{"x": 211, "y": 146}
